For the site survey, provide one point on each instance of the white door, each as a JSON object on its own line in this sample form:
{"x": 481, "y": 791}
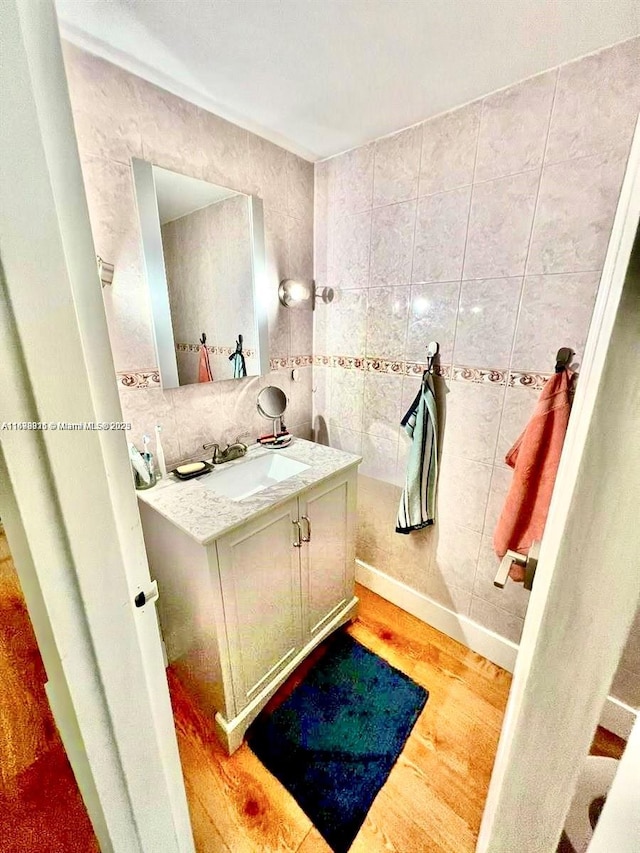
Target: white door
{"x": 66, "y": 497}
{"x": 587, "y": 585}
{"x": 260, "y": 577}
{"x": 327, "y": 516}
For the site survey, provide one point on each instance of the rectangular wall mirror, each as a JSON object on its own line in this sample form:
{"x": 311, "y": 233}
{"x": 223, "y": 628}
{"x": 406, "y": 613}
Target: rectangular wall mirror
{"x": 204, "y": 255}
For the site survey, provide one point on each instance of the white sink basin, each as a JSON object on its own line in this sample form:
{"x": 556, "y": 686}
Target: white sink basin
{"x": 240, "y": 480}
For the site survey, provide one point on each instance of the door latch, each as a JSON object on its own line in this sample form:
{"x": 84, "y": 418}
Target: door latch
{"x": 146, "y": 596}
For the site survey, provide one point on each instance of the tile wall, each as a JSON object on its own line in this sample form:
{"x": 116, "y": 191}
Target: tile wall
{"x": 485, "y": 229}
{"x": 119, "y": 116}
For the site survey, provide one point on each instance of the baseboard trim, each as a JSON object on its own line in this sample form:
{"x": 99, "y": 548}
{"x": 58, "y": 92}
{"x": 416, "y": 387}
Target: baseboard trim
{"x": 616, "y": 716}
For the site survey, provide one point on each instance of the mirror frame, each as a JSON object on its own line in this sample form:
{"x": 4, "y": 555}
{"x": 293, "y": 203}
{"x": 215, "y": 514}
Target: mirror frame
{"x": 153, "y": 256}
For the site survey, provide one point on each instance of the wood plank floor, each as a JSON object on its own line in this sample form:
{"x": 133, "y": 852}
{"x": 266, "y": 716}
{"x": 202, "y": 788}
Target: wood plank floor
{"x": 434, "y": 797}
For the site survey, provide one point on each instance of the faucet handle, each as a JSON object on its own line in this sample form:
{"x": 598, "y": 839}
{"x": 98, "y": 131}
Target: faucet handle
{"x": 242, "y": 435}
{"x": 210, "y": 445}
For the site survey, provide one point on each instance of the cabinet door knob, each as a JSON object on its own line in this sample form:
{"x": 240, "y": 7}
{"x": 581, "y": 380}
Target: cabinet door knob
{"x": 306, "y": 538}
{"x": 297, "y": 542}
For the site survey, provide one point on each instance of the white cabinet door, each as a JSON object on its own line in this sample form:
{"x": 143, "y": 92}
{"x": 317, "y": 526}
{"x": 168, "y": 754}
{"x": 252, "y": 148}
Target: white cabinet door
{"x": 327, "y": 519}
{"x": 260, "y": 578}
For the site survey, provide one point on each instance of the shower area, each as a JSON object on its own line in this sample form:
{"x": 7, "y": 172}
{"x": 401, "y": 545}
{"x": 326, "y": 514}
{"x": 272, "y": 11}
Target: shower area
{"x": 484, "y": 229}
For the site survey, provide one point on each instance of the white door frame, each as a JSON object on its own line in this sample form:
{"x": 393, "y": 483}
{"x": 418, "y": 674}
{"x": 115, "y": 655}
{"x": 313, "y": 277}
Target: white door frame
{"x": 66, "y": 497}
{"x": 587, "y": 585}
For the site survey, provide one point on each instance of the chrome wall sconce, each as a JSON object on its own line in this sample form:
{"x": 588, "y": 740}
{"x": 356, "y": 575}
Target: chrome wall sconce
{"x": 303, "y": 294}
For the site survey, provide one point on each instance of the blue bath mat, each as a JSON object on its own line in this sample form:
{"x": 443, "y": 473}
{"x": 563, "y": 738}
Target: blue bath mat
{"x": 333, "y": 742}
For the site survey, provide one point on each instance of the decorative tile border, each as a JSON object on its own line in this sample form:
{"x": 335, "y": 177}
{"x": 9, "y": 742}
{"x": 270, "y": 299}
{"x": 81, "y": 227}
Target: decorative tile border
{"x": 140, "y": 379}
{"x": 480, "y": 375}
{"x": 457, "y": 373}
{"x": 528, "y": 380}
{"x": 151, "y": 378}
{"x": 215, "y": 350}
{"x": 290, "y": 361}
{"x": 416, "y": 368}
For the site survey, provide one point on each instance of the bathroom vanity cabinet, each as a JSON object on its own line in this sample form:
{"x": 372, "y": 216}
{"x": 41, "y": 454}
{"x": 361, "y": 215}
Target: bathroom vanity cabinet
{"x": 239, "y": 613}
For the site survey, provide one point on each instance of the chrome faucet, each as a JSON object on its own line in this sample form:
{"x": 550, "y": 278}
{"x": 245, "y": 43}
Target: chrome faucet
{"x": 231, "y": 451}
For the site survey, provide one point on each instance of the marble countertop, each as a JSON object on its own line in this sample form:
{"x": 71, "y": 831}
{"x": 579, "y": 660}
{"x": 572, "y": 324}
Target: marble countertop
{"x": 205, "y": 515}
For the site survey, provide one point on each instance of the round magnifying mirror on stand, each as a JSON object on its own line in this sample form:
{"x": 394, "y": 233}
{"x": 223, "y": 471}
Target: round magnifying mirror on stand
{"x": 272, "y": 402}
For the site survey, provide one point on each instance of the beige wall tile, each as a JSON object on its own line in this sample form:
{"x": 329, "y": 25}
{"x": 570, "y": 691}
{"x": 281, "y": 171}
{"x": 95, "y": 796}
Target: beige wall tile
{"x": 495, "y": 619}
{"x": 555, "y": 312}
{"x": 500, "y": 226}
{"x": 449, "y": 595}
{"x": 500, "y": 483}
{"x": 346, "y": 439}
{"x": 225, "y": 148}
{"x": 597, "y": 103}
{"x": 487, "y": 322}
{"x": 146, "y": 407}
{"x": 347, "y": 398}
{"x": 300, "y": 237}
{"x": 347, "y": 319}
{"x": 352, "y": 181}
{"x": 388, "y": 309}
{"x": 392, "y": 232}
{"x": 455, "y": 552}
{"x": 472, "y": 420}
{"x": 170, "y": 129}
{"x": 575, "y": 212}
{"x": 463, "y": 488}
{"x": 412, "y": 556}
{"x": 397, "y": 167}
{"x": 105, "y": 106}
{"x": 514, "y": 127}
{"x": 382, "y": 399}
{"x": 433, "y": 311}
{"x": 321, "y": 215}
{"x": 441, "y": 233}
{"x": 300, "y": 181}
{"x": 377, "y": 511}
{"x": 350, "y": 242}
{"x": 379, "y": 457}
{"x": 449, "y": 149}
{"x": 113, "y": 213}
{"x": 519, "y": 405}
{"x": 268, "y": 173}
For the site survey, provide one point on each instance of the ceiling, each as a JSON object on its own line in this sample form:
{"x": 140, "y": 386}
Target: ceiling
{"x": 321, "y": 76}
{"x": 179, "y": 195}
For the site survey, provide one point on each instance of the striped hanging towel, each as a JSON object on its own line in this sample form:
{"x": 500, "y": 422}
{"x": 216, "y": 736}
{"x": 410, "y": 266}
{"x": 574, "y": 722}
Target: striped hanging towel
{"x": 418, "y": 502}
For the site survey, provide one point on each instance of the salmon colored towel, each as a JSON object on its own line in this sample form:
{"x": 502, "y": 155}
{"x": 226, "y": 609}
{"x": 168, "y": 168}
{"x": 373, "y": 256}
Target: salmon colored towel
{"x": 204, "y": 367}
{"x": 535, "y": 458}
